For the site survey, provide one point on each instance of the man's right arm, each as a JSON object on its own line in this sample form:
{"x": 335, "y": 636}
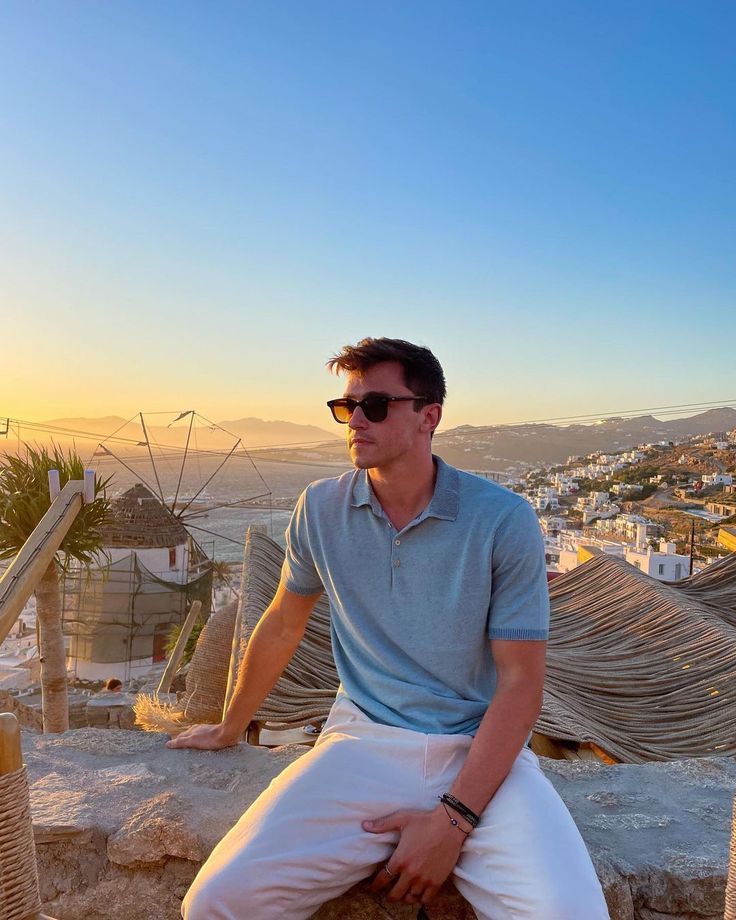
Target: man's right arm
{"x": 269, "y": 650}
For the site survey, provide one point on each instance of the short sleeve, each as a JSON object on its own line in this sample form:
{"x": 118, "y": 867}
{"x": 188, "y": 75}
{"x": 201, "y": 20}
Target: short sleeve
{"x": 298, "y": 572}
{"x": 519, "y": 607}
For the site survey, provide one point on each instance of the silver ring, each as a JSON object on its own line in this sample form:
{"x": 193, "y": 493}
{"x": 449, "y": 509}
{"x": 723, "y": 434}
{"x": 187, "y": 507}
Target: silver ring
{"x": 388, "y": 871}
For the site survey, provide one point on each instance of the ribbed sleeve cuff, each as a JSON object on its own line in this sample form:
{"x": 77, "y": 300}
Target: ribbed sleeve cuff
{"x": 300, "y": 589}
{"x": 529, "y": 634}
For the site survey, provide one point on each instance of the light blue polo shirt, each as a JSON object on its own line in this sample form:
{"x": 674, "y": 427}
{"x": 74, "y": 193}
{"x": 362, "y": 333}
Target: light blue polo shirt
{"x": 413, "y": 610}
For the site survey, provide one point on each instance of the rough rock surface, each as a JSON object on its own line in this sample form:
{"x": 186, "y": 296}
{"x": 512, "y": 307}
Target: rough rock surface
{"x": 122, "y": 823}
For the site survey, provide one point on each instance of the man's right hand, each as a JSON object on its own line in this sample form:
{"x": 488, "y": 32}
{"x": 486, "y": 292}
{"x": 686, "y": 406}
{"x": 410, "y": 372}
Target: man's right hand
{"x": 204, "y": 738}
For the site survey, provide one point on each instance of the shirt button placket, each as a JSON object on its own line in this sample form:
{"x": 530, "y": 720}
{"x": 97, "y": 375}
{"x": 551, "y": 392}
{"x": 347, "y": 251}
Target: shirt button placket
{"x": 395, "y": 561}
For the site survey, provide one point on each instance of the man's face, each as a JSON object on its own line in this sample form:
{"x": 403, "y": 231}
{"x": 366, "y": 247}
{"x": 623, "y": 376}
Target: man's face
{"x": 378, "y": 444}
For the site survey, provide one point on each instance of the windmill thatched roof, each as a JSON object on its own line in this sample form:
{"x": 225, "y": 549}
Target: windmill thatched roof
{"x": 138, "y": 519}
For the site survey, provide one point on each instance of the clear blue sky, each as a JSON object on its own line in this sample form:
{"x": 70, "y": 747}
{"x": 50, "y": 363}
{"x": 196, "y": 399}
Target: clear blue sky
{"x": 201, "y": 202}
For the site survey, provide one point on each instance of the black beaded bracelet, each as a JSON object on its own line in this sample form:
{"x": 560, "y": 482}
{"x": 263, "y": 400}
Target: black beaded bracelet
{"x": 463, "y": 810}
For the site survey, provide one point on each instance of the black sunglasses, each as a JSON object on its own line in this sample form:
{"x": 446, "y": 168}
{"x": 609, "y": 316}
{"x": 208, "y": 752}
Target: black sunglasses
{"x": 375, "y": 408}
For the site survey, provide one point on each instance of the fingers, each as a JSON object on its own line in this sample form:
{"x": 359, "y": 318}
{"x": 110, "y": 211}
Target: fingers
{"x": 385, "y": 876}
{"x": 393, "y": 822}
{"x": 175, "y": 742}
{"x": 404, "y": 886}
{"x": 180, "y": 740}
{"x": 400, "y": 891}
{"x": 184, "y": 739}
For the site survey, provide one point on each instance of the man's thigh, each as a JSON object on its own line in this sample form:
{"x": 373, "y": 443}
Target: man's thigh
{"x": 301, "y": 842}
{"x": 526, "y": 860}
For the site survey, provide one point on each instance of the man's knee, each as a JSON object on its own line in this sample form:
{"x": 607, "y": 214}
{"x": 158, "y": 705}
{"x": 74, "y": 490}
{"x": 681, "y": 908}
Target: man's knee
{"x": 209, "y": 898}
{"x": 200, "y": 902}
{"x": 224, "y": 894}
{"x": 571, "y": 903}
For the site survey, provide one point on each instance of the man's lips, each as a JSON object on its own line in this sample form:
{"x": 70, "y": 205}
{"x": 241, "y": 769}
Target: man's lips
{"x": 355, "y": 441}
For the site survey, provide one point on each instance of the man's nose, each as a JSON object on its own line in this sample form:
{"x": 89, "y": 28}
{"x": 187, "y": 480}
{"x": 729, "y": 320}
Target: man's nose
{"x": 358, "y": 419}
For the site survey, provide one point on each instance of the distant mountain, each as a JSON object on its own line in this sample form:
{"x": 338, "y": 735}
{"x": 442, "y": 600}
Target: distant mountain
{"x": 254, "y": 432}
{"x": 103, "y": 426}
{"x": 494, "y": 447}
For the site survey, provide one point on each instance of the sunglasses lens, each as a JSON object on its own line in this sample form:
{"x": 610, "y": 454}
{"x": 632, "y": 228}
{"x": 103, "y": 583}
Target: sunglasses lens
{"x": 342, "y": 410}
{"x": 375, "y": 408}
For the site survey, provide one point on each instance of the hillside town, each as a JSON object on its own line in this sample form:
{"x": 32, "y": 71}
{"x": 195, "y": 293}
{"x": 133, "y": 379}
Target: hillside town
{"x": 667, "y": 508}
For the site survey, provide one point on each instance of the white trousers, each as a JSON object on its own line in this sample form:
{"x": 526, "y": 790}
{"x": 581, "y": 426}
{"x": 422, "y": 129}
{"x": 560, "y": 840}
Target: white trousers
{"x": 301, "y": 843}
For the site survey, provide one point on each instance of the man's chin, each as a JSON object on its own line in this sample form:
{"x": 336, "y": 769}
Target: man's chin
{"x": 361, "y": 459}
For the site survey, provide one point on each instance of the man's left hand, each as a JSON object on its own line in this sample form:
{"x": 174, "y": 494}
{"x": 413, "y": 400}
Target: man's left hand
{"x": 428, "y": 849}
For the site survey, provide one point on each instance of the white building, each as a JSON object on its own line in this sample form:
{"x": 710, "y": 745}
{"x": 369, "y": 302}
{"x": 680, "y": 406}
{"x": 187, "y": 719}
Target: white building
{"x": 717, "y": 479}
{"x": 552, "y": 525}
{"x": 664, "y": 565}
{"x": 601, "y": 512}
{"x": 626, "y": 488}
{"x": 632, "y": 527}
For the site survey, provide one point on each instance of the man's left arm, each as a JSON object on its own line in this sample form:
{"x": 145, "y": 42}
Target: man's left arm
{"x": 430, "y": 844}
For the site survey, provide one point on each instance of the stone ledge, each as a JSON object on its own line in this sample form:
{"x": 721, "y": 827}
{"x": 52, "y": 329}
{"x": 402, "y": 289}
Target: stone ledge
{"x": 123, "y": 823}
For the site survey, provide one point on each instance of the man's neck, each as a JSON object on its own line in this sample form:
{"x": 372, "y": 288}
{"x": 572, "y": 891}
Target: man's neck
{"x": 404, "y": 489}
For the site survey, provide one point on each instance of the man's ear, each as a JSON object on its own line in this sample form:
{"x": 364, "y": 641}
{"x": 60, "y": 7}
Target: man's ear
{"x": 433, "y": 417}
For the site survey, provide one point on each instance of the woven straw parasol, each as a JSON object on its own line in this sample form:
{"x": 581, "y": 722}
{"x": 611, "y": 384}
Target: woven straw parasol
{"x": 644, "y": 669}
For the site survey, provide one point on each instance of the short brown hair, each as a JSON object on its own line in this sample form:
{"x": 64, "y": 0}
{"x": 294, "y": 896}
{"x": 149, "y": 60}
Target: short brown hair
{"x": 423, "y": 373}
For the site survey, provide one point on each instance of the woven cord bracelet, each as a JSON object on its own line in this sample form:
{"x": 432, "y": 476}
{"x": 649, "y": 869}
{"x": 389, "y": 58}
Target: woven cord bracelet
{"x": 453, "y": 821}
{"x": 456, "y": 805}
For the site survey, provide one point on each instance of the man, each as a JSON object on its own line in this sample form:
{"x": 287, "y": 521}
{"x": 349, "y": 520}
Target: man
{"x": 438, "y": 594}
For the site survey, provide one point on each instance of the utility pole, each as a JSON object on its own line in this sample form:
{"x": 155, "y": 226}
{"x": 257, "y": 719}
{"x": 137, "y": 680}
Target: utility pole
{"x": 692, "y": 544}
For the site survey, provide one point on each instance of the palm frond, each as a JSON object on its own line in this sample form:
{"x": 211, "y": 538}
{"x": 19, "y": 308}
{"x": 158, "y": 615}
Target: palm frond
{"x": 24, "y": 499}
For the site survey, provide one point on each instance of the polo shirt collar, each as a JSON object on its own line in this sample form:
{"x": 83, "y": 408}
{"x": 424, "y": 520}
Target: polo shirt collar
{"x": 445, "y": 503}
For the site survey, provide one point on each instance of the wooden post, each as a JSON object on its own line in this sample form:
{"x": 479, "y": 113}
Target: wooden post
{"x": 54, "y": 484}
{"x": 11, "y": 758}
{"x": 26, "y": 570}
{"x": 253, "y": 733}
{"x": 181, "y": 642}
{"x": 232, "y": 674}
{"x": 89, "y": 486}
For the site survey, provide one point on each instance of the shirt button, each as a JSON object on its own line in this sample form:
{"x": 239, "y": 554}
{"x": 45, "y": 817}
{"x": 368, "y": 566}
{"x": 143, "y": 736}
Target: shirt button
{"x": 397, "y": 563}
{"x": 397, "y": 542}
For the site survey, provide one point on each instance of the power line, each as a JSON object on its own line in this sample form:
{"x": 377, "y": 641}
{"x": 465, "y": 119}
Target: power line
{"x": 592, "y": 417}
{"x": 170, "y": 450}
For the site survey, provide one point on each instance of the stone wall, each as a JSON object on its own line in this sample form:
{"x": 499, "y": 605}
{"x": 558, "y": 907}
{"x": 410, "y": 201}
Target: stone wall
{"x": 122, "y": 824}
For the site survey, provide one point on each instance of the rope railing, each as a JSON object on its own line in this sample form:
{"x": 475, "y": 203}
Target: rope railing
{"x": 731, "y": 883}
{"x": 19, "y": 896}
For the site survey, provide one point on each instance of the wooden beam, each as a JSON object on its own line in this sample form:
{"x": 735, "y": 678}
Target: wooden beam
{"x": 26, "y": 570}
{"x": 544, "y": 746}
{"x": 11, "y": 758}
{"x": 173, "y": 663}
